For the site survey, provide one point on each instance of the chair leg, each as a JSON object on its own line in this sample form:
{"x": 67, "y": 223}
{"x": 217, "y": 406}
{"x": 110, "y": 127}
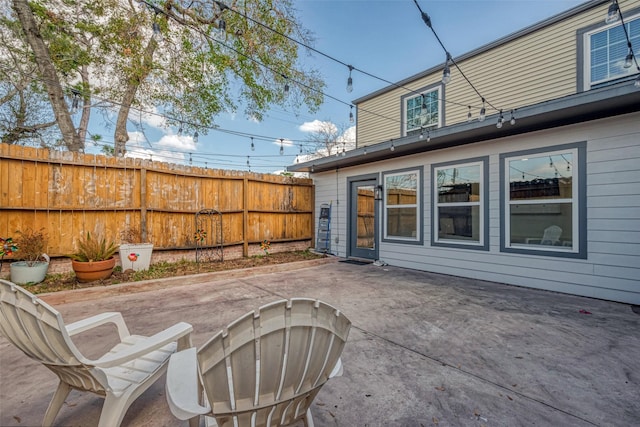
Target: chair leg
{"x": 56, "y": 403}
{"x": 113, "y": 411}
{"x": 194, "y": 422}
{"x": 308, "y": 419}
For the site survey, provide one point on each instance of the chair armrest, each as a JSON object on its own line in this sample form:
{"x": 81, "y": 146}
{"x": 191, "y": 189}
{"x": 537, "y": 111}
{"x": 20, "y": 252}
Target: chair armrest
{"x": 97, "y": 320}
{"x": 337, "y": 370}
{"x": 144, "y": 346}
{"x": 182, "y": 385}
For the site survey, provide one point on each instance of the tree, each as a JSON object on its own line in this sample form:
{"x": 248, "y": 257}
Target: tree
{"x": 212, "y": 58}
{"x": 329, "y": 139}
{"x": 49, "y": 74}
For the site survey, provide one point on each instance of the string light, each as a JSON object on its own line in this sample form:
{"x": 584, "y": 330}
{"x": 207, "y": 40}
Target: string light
{"x": 157, "y": 33}
{"x": 612, "y": 13}
{"x": 628, "y": 61}
{"x": 286, "y": 84}
{"x": 190, "y": 160}
{"x": 469, "y": 116}
{"x": 281, "y": 146}
{"x": 513, "y": 119}
{"x": 350, "y": 80}
{"x": 428, "y": 135}
{"x": 195, "y": 136}
{"x": 393, "y": 147}
{"x": 253, "y": 147}
{"x": 500, "y": 120}
{"x": 446, "y": 73}
{"x": 483, "y": 112}
{"x": 351, "y": 114}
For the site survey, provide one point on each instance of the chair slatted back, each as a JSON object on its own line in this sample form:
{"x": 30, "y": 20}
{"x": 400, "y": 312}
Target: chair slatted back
{"x": 274, "y": 361}
{"x": 34, "y": 327}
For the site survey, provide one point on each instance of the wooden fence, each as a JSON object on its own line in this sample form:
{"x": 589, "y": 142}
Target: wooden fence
{"x": 69, "y": 194}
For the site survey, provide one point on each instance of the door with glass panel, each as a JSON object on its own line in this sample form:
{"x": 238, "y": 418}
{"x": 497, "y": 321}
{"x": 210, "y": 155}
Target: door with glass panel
{"x": 363, "y": 222}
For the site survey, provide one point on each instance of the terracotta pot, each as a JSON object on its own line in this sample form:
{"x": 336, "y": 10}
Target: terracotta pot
{"x": 95, "y": 270}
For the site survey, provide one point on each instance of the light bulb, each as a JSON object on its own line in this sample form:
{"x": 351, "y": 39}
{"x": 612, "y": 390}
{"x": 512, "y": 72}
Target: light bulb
{"x": 513, "y": 119}
{"x": 483, "y": 113}
{"x": 157, "y": 34}
{"x": 628, "y": 61}
{"x": 195, "y": 136}
{"x": 612, "y": 13}
{"x": 637, "y": 82}
{"x": 392, "y": 147}
{"x": 446, "y": 75}
{"x": 349, "y": 84}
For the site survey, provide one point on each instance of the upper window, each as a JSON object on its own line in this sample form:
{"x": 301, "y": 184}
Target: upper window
{"x": 544, "y": 206}
{"x": 422, "y": 111}
{"x": 402, "y": 206}
{"x": 459, "y": 204}
{"x": 605, "y": 51}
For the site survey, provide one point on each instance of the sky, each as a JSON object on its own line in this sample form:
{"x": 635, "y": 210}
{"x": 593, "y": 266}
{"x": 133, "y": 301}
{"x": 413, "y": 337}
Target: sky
{"x": 385, "y": 38}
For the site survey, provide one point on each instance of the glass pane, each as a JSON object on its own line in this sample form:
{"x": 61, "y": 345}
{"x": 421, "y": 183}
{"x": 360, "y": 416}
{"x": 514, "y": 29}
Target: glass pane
{"x": 459, "y": 223}
{"x": 547, "y": 224}
{"x": 460, "y": 184}
{"x": 365, "y": 208}
{"x": 402, "y": 222}
{"x": 544, "y": 177}
{"x": 401, "y": 189}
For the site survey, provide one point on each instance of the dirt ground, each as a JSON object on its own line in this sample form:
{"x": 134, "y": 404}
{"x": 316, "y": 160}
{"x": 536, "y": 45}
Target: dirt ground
{"x": 66, "y": 281}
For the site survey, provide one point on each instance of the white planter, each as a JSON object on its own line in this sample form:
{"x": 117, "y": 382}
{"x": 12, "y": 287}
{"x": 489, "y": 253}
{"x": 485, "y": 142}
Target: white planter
{"x": 135, "y": 256}
{"x": 23, "y": 273}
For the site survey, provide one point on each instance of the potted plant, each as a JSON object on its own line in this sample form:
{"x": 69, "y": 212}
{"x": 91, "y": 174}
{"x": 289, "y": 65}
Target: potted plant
{"x": 94, "y": 259}
{"x": 134, "y": 254}
{"x": 31, "y": 262}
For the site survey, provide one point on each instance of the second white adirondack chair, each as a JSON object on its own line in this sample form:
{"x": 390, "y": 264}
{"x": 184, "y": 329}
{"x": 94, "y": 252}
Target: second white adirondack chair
{"x": 264, "y": 369}
{"x": 120, "y": 376}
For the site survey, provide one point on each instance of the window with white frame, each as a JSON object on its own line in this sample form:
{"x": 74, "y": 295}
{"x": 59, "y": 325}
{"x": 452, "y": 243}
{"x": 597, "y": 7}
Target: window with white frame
{"x": 402, "y": 205}
{"x": 459, "y": 199}
{"x": 422, "y": 111}
{"x": 542, "y": 206}
{"x": 605, "y": 51}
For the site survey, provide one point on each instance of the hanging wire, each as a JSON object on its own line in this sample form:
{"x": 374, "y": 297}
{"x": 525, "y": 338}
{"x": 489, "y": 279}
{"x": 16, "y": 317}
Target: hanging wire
{"x": 427, "y": 21}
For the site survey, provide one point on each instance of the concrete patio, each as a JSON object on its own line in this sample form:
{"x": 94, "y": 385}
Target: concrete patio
{"x": 424, "y": 350}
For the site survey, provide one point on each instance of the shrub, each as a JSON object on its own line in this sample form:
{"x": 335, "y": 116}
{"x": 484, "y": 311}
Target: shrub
{"x": 97, "y": 249}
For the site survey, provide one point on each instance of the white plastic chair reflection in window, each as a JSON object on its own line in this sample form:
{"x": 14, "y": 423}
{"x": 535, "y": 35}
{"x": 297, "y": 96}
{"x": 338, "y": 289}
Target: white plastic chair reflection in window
{"x": 551, "y": 236}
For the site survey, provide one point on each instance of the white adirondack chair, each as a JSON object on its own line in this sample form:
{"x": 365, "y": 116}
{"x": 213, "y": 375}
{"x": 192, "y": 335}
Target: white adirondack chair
{"x": 119, "y": 376}
{"x": 265, "y": 369}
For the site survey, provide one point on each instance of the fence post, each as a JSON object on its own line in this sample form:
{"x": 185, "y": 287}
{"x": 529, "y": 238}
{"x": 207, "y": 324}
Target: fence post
{"x": 245, "y": 217}
{"x": 143, "y": 204}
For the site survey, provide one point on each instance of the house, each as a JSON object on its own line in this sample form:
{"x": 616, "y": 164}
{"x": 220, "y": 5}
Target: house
{"x": 543, "y": 193}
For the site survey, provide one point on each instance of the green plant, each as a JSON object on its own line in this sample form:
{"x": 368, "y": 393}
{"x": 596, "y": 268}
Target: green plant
{"x": 94, "y": 249}
{"x": 32, "y": 244}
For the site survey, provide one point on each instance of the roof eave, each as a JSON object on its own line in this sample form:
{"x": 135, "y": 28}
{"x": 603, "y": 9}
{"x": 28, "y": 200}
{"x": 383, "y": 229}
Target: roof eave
{"x": 610, "y": 101}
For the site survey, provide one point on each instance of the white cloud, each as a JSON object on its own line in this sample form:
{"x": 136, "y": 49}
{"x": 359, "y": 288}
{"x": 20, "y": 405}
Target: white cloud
{"x": 348, "y": 136}
{"x": 285, "y": 142}
{"x": 165, "y": 149}
{"x": 317, "y": 125}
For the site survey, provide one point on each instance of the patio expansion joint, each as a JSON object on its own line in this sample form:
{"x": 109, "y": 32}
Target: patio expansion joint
{"x": 471, "y": 374}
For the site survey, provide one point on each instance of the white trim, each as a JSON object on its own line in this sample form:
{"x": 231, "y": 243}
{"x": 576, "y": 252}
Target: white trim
{"x": 416, "y": 206}
{"x": 405, "y": 123}
{"x": 574, "y": 201}
{"x": 586, "y": 63}
{"x": 480, "y": 203}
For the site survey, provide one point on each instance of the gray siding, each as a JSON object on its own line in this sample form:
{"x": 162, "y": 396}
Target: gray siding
{"x": 612, "y": 268}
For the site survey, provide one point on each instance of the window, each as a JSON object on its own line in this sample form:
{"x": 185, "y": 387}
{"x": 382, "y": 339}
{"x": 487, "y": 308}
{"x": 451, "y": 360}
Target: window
{"x": 459, "y": 204}
{"x": 544, "y": 201}
{"x": 421, "y": 111}
{"x": 605, "y": 50}
{"x": 402, "y": 206}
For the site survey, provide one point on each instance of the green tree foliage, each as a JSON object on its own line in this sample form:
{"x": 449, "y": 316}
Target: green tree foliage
{"x": 213, "y": 57}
